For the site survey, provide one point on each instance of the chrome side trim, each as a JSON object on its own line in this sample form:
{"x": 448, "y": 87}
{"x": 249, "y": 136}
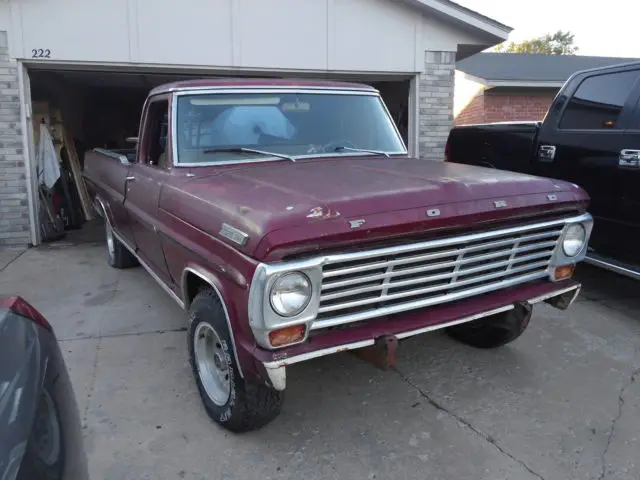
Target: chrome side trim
{"x": 206, "y": 277}
{"x": 164, "y": 286}
{"x": 285, "y": 361}
{"x": 108, "y": 153}
{"x": 613, "y": 267}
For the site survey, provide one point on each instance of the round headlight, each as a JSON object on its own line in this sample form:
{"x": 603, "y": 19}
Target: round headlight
{"x": 290, "y": 294}
{"x": 573, "y": 240}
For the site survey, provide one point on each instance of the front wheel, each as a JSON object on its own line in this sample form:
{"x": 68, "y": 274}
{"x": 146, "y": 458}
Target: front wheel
{"x": 494, "y": 331}
{"x": 228, "y": 398}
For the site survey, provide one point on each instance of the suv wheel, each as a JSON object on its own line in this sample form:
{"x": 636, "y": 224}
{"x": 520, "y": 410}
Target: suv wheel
{"x": 494, "y": 331}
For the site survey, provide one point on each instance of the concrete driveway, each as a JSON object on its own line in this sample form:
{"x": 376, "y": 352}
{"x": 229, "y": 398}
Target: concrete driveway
{"x": 559, "y": 403}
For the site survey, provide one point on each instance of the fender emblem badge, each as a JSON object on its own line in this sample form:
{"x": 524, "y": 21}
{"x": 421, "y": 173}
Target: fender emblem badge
{"x": 357, "y": 223}
{"x": 500, "y": 203}
{"x": 434, "y": 212}
{"x": 552, "y": 197}
{"x": 233, "y": 234}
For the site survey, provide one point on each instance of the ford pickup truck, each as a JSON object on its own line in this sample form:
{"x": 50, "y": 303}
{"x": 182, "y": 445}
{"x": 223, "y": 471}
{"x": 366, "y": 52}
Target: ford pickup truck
{"x": 590, "y": 137}
{"x": 288, "y": 220}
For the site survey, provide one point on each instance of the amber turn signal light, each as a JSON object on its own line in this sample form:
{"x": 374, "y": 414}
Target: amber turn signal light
{"x": 563, "y": 272}
{"x": 287, "y": 335}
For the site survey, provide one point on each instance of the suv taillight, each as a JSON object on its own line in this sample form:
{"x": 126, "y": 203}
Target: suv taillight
{"x": 20, "y": 306}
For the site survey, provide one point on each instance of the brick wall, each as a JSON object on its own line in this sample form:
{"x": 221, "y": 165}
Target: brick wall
{"x": 473, "y": 112}
{"x": 436, "y": 104}
{"x": 498, "y": 106}
{"x": 14, "y": 209}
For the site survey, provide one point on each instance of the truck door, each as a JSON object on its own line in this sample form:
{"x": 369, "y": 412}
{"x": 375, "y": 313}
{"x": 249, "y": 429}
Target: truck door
{"x": 627, "y": 208}
{"x": 582, "y": 143}
{"x": 145, "y": 180}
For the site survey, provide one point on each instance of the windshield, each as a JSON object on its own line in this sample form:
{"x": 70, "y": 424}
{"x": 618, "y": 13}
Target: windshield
{"x": 214, "y": 127}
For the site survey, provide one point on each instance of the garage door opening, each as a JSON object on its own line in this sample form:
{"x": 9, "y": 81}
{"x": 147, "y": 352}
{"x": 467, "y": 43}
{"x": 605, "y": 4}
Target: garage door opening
{"x": 101, "y": 109}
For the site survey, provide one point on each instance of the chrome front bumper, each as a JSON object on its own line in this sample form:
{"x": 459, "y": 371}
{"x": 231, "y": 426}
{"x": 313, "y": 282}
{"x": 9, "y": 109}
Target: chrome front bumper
{"x": 276, "y": 370}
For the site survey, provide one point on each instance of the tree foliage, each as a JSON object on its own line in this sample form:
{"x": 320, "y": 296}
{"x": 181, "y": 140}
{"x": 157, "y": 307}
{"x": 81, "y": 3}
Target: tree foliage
{"x": 559, "y": 43}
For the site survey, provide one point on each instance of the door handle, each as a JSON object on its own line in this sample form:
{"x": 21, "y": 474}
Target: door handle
{"x": 130, "y": 179}
{"x": 629, "y": 159}
{"x": 547, "y": 153}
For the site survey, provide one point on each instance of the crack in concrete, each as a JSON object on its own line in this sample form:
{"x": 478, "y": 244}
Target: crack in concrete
{"x": 488, "y": 438}
{"x": 126, "y": 334}
{"x": 94, "y": 373}
{"x": 13, "y": 260}
{"x": 614, "y": 423}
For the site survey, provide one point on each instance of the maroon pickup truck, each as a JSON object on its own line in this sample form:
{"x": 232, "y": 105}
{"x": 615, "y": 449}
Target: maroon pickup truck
{"x": 288, "y": 220}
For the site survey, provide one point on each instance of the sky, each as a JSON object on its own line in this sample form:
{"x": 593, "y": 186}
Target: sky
{"x": 603, "y": 28}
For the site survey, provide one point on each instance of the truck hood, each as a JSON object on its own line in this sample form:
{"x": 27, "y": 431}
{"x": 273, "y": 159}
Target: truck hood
{"x": 320, "y": 197}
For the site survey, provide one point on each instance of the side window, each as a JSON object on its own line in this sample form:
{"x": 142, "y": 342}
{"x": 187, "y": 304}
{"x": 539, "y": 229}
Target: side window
{"x": 598, "y": 102}
{"x": 154, "y": 143}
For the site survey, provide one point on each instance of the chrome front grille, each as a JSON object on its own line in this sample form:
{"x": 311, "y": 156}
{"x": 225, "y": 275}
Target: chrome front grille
{"x": 388, "y": 280}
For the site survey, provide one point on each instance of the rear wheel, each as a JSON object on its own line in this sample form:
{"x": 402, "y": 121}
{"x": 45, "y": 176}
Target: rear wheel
{"x": 229, "y": 400}
{"x": 494, "y": 331}
{"x": 44, "y": 457}
{"x": 119, "y": 256}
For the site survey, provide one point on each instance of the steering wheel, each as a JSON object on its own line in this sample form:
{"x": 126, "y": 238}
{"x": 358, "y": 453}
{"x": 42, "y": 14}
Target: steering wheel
{"x": 331, "y": 146}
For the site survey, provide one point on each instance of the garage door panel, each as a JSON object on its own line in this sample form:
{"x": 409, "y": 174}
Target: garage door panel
{"x": 75, "y": 29}
{"x": 197, "y": 33}
{"x": 283, "y": 34}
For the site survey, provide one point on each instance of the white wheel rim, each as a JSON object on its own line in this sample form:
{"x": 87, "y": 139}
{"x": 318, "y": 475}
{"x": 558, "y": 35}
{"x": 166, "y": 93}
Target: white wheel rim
{"x": 214, "y": 370}
{"x": 110, "y": 243}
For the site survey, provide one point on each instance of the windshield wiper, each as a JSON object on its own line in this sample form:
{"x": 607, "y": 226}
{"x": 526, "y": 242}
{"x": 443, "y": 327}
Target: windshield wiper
{"x": 373, "y": 152}
{"x": 247, "y": 150}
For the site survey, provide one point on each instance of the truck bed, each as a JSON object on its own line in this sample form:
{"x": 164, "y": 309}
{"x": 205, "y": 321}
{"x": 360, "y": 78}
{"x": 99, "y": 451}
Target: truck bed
{"x": 105, "y": 172}
{"x": 505, "y": 145}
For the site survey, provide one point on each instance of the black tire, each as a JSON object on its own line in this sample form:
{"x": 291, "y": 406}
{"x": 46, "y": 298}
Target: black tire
{"x": 118, "y": 255}
{"x": 249, "y": 406}
{"x": 494, "y": 331}
{"x": 45, "y": 453}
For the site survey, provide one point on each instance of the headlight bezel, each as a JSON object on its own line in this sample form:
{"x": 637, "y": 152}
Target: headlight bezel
{"x": 263, "y": 318}
{"x": 560, "y": 258}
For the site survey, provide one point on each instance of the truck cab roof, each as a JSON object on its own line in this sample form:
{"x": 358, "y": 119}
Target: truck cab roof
{"x": 225, "y": 83}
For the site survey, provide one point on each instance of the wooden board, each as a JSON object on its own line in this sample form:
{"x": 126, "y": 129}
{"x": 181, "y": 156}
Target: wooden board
{"x": 77, "y": 175}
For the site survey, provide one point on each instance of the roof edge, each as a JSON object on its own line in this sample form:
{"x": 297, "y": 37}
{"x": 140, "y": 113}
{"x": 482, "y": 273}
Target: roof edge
{"x": 465, "y": 16}
{"x": 491, "y": 83}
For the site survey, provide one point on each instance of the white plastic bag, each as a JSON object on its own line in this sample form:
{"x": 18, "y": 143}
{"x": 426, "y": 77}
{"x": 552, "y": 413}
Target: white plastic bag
{"x": 49, "y": 167}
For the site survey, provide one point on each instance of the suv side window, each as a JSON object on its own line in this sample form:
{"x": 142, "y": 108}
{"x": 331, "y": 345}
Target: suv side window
{"x": 598, "y": 102}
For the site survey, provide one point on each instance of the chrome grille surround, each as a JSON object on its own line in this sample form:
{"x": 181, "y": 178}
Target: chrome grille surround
{"x": 357, "y": 286}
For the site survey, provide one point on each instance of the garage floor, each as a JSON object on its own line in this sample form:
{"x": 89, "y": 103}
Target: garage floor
{"x": 560, "y": 403}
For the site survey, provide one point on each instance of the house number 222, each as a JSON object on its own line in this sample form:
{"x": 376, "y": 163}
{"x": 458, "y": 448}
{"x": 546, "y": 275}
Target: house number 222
{"x": 40, "y": 53}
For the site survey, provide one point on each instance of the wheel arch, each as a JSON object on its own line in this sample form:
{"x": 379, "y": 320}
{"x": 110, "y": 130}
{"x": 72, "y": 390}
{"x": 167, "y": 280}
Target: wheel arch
{"x": 194, "y": 278}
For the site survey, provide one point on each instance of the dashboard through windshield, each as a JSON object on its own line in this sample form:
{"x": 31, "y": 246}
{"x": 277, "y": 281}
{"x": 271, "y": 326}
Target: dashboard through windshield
{"x": 222, "y": 127}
